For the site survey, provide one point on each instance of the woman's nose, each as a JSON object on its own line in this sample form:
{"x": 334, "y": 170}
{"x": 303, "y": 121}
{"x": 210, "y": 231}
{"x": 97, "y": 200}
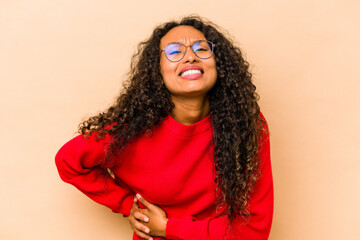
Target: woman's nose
{"x": 190, "y": 56}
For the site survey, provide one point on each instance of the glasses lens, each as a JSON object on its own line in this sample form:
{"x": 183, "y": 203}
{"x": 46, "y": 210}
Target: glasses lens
{"x": 203, "y": 49}
{"x": 174, "y": 51}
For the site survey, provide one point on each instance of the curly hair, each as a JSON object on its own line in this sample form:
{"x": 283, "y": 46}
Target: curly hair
{"x": 236, "y": 119}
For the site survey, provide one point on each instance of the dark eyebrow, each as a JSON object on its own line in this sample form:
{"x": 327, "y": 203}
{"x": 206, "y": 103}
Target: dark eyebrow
{"x": 173, "y": 43}
{"x": 183, "y": 43}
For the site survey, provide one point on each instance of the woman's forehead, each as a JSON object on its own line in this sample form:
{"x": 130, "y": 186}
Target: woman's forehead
{"x": 182, "y": 34}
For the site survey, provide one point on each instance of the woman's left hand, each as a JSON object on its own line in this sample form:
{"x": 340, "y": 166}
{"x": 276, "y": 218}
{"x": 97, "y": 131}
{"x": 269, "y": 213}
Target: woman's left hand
{"x": 157, "y": 218}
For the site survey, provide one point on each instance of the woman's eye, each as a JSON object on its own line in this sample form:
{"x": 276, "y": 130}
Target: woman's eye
{"x": 202, "y": 49}
{"x": 174, "y": 52}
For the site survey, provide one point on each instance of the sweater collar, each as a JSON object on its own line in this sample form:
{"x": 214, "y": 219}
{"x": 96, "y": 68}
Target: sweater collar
{"x": 187, "y": 130}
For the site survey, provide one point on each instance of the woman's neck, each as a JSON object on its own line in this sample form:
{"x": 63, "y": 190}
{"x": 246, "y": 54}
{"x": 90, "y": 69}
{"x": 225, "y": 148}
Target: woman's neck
{"x": 190, "y": 110}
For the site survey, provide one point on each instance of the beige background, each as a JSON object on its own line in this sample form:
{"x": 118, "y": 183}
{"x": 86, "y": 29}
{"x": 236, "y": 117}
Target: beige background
{"x": 62, "y": 61}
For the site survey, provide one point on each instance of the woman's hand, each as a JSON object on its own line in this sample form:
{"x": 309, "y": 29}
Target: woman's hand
{"x": 136, "y": 219}
{"x": 147, "y": 222}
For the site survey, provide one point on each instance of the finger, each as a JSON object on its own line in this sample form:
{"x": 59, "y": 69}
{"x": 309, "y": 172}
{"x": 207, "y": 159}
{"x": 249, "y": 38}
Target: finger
{"x": 135, "y": 203}
{"x": 143, "y": 201}
{"x": 142, "y": 235}
{"x": 142, "y": 217}
{"x": 134, "y": 207}
{"x": 139, "y": 226}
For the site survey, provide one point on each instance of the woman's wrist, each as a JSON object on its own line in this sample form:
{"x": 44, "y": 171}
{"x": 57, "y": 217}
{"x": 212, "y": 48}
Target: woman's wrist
{"x": 163, "y": 233}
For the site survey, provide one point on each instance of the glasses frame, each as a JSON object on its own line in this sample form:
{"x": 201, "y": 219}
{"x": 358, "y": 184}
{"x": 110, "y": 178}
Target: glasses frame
{"x": 212, "y": 45}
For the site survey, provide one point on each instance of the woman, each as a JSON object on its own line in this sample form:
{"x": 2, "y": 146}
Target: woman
{"x": 185, "y": 142}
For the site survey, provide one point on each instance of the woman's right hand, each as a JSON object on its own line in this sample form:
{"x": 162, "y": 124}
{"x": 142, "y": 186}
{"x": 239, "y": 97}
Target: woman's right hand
{"x": 135, "y": 218}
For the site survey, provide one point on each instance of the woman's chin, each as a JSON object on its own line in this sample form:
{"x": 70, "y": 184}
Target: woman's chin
{"x": 191, "y": 93}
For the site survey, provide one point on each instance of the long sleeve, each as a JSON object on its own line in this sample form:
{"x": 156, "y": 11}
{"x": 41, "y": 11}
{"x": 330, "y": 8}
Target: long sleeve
{"x": 80, "y": 162}
{"x": 260, "y": 206}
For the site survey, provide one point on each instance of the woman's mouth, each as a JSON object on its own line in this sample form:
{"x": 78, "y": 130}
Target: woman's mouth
{"x": 192, "y": 72}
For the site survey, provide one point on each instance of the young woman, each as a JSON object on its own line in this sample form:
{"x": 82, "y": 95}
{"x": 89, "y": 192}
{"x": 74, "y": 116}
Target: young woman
{"x": 184, "y": 151}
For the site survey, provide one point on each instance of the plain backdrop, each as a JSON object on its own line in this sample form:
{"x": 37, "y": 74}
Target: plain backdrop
{"x": 62, "y": 61}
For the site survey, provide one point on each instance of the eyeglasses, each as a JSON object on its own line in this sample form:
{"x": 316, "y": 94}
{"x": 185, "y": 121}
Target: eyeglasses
{"x": 174, "y": 52}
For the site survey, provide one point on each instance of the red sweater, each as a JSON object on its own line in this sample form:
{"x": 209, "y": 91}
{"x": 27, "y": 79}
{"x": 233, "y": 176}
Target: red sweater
{"x": 173, "y": 169}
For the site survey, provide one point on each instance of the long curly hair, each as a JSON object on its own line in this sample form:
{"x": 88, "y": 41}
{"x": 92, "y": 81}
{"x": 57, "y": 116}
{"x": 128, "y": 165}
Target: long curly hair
{"x": 236, "y": 119}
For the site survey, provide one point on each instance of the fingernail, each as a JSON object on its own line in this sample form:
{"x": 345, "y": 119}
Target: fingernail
{"x": 151, "y": 238}
{"x": 147, "y": 230}
{"x": 138, "y": 196}
{"x": 146, "y": 219}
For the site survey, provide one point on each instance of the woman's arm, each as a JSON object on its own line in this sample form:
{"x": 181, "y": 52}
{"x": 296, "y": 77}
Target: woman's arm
{"x": 80, "y": 162}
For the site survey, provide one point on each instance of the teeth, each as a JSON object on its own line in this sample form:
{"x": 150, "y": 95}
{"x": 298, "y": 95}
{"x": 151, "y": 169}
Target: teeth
{"x": 190, "y": 72}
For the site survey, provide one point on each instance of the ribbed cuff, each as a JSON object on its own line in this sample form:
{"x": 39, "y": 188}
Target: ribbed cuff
{"x": 172, "y": 231}
{"x": 125, "y": 206}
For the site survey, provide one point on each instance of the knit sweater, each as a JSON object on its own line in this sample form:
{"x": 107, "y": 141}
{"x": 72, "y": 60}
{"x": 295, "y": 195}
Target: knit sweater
{"x": 174, "y": 169}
